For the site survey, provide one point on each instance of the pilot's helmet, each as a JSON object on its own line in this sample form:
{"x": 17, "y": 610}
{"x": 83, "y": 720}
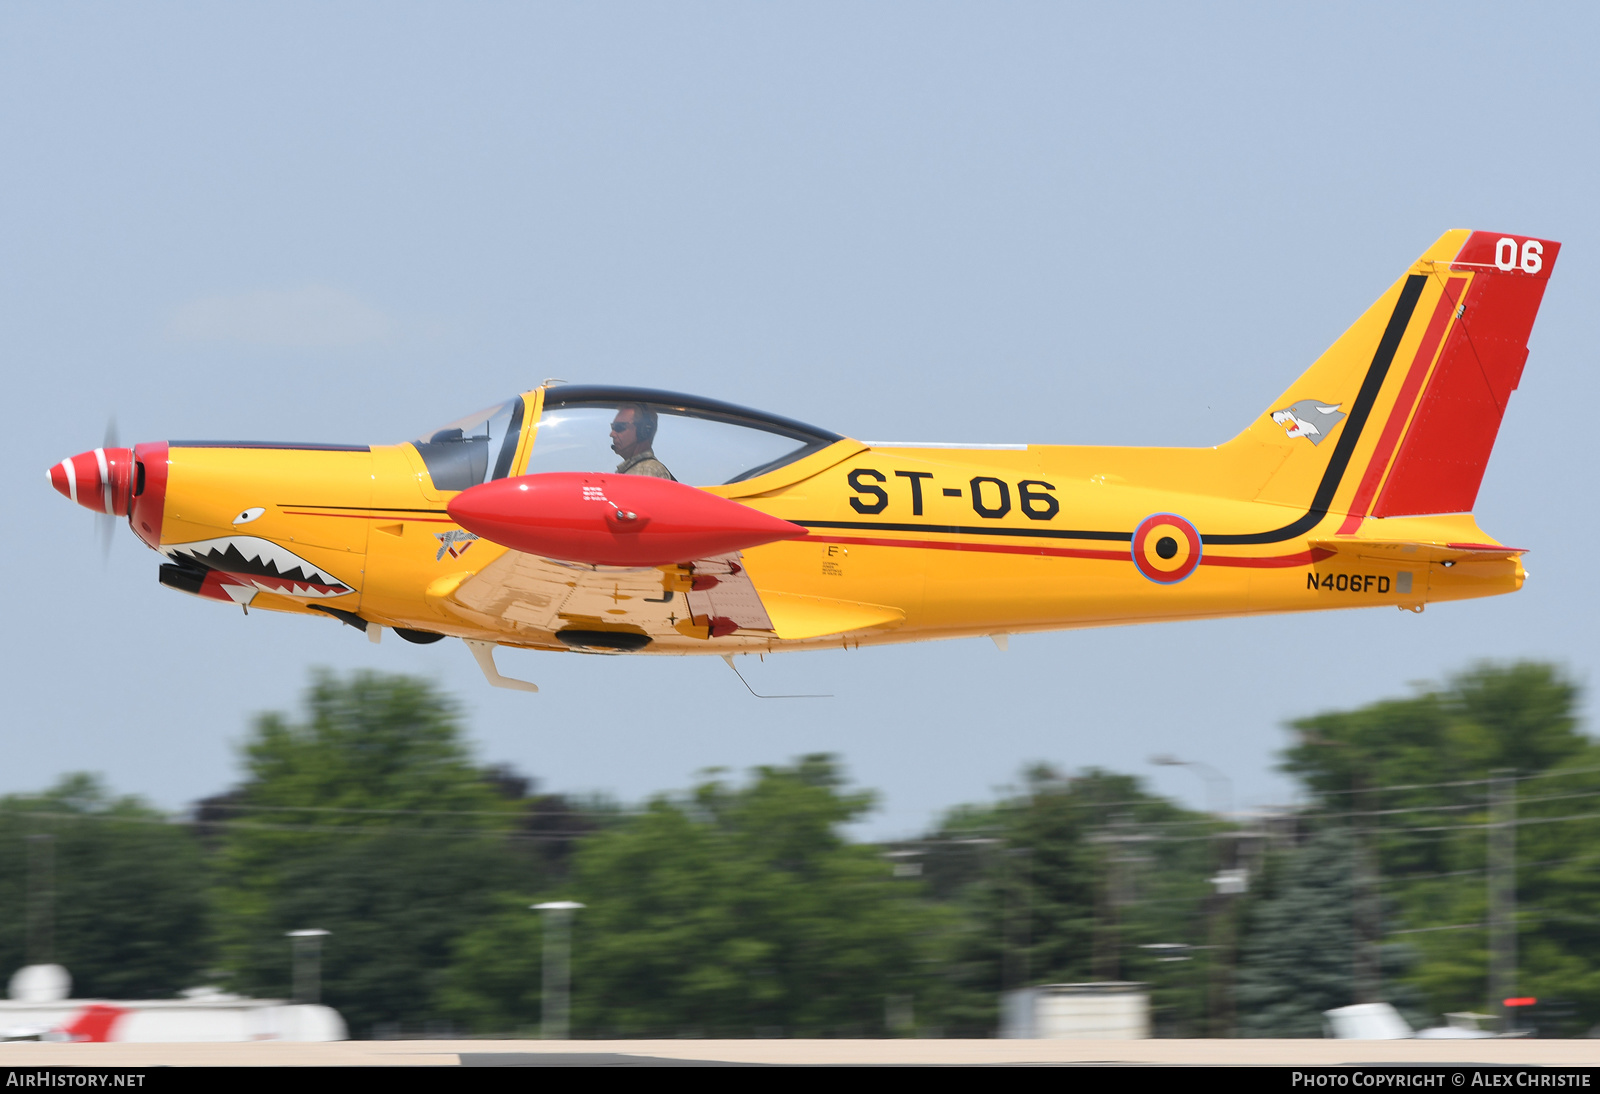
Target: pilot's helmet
{"x": 644, "y": 421}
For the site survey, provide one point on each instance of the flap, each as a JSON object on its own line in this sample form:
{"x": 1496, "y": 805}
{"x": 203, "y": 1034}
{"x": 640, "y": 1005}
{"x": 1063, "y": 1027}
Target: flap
{"x": 795, "y": 616}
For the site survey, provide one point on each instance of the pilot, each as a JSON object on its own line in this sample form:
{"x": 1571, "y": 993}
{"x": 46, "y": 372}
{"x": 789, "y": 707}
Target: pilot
{"x": 633, "y": 430}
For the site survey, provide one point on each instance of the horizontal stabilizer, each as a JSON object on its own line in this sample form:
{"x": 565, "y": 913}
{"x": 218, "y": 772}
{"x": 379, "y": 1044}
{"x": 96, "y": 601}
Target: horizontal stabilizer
{"x": 1402, "y": 550}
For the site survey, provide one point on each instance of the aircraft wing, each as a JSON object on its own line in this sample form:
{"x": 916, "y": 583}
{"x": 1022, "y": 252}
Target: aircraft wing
{"x": 546, "y": 602}
{"x": 622, "y": 596}
{"x": 543, "y": 602}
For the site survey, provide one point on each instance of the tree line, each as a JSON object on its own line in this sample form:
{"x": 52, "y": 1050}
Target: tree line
{"x": 740, "y": 907}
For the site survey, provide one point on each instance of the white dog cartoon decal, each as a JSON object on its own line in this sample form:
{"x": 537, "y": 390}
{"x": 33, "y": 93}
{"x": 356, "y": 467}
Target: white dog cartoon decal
{"x": 1309, "y": 418}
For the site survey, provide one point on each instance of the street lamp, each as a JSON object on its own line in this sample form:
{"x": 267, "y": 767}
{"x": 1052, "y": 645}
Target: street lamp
{"x": 1220, "y": 790}
{"x": 1227, "y": 882}
{"x": 308, "y": 964}
{"x": 557, "y": 966}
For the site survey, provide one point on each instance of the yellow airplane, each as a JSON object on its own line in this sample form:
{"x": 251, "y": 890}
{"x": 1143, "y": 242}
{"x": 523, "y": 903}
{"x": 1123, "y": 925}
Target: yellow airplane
{"x": 625, "y": 520}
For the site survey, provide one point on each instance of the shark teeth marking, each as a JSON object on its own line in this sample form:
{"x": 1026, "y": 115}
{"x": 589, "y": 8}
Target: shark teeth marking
{"x": 260, "y": 564}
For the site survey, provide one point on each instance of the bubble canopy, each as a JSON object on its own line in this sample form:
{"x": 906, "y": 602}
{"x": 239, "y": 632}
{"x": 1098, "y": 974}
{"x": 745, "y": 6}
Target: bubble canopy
{"x": 474, "y": 449}
{"x": 702, "y": 442}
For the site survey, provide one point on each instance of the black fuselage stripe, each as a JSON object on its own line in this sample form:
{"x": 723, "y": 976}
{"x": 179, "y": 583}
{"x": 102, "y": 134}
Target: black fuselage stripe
{"x": 962, "y": 530}
{"x": 1327, "y": 488}
{"x": 287, "y": 446}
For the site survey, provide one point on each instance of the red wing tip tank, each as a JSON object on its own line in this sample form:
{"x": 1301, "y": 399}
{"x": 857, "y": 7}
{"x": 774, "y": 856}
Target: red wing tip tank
{"x": 613, "y": 520}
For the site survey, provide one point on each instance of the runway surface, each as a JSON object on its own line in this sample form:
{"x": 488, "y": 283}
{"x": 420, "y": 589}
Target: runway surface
{"x": 1277, "y": 1053}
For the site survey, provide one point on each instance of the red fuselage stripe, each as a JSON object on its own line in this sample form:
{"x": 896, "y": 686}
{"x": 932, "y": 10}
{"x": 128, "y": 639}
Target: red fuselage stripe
{"x": 1300, "y": 559}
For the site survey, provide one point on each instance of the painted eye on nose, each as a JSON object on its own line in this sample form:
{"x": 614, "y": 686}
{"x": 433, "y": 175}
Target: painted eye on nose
{"x": 248, "y": 515}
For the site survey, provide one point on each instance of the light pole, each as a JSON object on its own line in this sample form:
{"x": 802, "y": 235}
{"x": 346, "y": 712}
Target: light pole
{"x": 1230, "y": 880}
{"x": 308, "y": 964}
{"x": 1502, "y": 895}
{"x": 1220, "y": 790}
{"x": 557, "y": 966}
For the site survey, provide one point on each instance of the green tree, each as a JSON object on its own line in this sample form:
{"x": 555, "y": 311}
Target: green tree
{"x": 1558, "y": 892}
{"x": 127, "y": 913}
{"x": 1074, "y": 879}
{"x": 737, "y": 911}
{"x": 1298, "y": 954}
{"x": 495, "y": 980}
{"x": 1412, "y": 775}
{"x": 366, "y": 818}
{"x": 1521, "y": 716}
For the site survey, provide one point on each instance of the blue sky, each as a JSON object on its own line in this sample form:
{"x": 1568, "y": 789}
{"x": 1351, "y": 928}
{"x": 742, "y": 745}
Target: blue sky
{"x": 988, "y": 222}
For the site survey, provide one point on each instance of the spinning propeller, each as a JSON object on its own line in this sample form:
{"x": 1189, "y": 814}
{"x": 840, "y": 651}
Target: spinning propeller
{"x": 105, "y": 523}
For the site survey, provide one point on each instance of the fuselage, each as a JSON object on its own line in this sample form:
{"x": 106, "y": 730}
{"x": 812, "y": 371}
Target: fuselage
{"x": 919, "y": 542}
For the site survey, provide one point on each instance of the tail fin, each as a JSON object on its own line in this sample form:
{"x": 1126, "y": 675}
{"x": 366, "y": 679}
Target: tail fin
{"x": 1399, "y": 416}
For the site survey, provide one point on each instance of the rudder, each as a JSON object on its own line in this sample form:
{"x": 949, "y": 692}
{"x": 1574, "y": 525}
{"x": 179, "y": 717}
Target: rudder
{"x": 1446, "y": 448}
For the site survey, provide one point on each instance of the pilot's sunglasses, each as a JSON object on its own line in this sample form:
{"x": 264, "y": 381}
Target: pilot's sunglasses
{"x": 621, "y": 427}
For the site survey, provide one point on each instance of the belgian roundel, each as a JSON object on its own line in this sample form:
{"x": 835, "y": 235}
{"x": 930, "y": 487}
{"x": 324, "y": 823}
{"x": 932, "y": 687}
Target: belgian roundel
{"x": 1166, "y": 548}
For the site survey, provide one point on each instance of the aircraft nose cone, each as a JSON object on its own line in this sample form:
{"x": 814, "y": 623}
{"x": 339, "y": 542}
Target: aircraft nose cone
{"x": 101, "y": 479}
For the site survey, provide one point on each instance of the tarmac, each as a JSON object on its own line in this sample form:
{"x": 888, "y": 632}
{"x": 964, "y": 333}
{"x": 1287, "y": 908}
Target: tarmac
{"x": 1497, "y": 1053}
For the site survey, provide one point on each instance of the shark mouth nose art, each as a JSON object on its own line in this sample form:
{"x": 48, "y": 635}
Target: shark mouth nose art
{"x": 260, "y": 565}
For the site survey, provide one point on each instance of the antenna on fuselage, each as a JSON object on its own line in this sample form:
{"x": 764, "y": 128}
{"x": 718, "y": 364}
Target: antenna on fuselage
{"x": 728, "y": 657}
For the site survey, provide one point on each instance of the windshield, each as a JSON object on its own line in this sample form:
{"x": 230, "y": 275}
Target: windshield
{"x": 474, "y": 449}
{"x": 700, "y": 446}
